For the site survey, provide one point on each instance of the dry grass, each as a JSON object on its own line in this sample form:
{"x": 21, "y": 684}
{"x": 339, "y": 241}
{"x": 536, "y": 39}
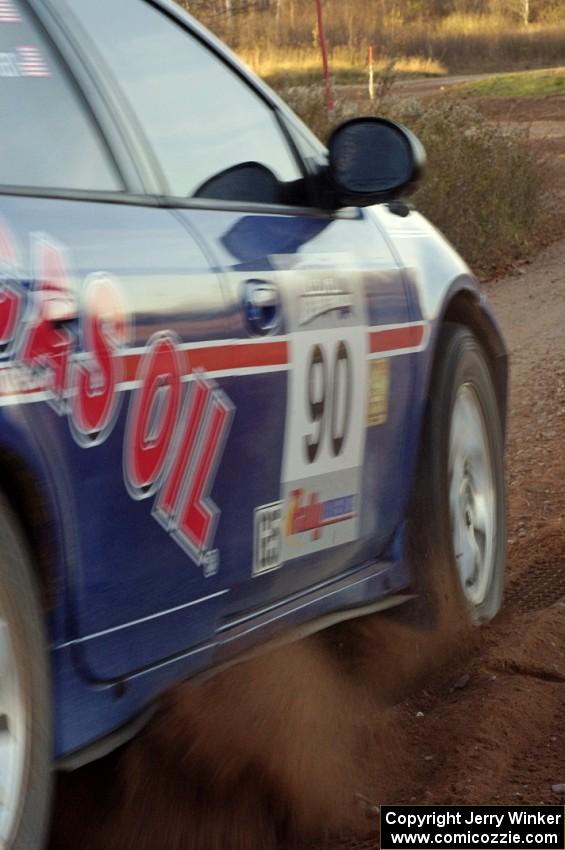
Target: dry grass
{"x": 301, "y": 65}
{"x": 460, "y": 23}
{"x": 457, "y": 43}
{"x": 524, "y": 84}
{"x": 469, "y": 44}
{"x": 486, "y": 186}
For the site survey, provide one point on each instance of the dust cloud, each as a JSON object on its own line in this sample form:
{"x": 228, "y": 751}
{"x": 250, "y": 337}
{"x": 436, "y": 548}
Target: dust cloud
{"x": 274, "y": 752}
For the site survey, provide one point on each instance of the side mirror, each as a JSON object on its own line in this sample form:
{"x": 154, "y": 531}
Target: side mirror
{"x": 373, "y": 160}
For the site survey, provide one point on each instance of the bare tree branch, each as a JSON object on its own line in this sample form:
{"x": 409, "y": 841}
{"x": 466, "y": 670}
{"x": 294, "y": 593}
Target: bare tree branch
{"x": 225, "y": 8}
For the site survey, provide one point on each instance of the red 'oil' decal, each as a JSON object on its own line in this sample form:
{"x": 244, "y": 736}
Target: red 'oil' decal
{"x": 10, "y": 310}
{"x": 184, "y": 507}
{"x": 104, "y": 331}
{"x": 72, "y": 351}
{"x": 45, "y": 347}
{"x": 174, "y": 447}
{"x": 11, "y": 297}
{"x": 198, "y": 515}
{"x": 192, "y": 415}
{"x": 153, "y": 416}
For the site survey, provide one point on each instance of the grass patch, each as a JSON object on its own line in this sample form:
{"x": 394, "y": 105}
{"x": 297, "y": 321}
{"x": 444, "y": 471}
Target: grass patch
{"x": 530, "y": 83}
{"x": 302, "y": 66}
{"x": 486, "y": 187}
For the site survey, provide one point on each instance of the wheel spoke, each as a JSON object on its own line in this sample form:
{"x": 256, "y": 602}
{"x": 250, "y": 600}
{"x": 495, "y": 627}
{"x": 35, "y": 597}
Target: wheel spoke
{"x": 471, "y": 495}
{"x": 481, "y": 515}
{"x": 12, "y": 734}
{"x": 468, "y": 561}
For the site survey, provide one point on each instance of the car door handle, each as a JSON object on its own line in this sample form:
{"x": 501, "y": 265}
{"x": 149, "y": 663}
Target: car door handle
{"x": 262, "y": 307}
{"x": 264, "y": 296}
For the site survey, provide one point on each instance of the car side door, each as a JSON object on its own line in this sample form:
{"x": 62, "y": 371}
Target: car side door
{"x": 319, "y": 324}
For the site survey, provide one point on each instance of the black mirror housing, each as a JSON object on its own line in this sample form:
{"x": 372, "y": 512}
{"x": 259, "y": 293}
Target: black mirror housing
{"x": 374, "y": 160}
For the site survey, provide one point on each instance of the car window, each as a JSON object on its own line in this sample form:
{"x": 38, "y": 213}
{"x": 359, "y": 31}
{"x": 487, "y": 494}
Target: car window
{"x": 213, "y": 136}
{"x": 47, "y": 139}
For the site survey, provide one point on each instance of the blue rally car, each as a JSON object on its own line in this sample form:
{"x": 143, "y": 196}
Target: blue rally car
{"x": 243, "y": 386}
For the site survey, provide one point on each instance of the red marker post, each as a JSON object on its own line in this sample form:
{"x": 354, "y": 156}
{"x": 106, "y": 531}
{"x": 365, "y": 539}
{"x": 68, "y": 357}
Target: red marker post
{"x": 324, "y": 48}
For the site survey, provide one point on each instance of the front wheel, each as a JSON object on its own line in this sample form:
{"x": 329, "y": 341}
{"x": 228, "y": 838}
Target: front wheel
{"x": 458, "y": 518}
{"x": 25, "y": 721}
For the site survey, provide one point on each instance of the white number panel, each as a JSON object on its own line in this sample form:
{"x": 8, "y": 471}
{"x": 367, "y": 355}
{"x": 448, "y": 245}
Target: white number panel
{"x": 325, "y": 423}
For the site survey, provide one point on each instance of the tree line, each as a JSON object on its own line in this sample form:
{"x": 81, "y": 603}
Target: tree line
{"x": 526, "y": 11}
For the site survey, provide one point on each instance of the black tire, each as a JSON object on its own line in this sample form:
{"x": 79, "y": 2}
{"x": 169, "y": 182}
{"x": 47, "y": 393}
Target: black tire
{"x": 20, "y": 607}
{"x": 460, "y": 360}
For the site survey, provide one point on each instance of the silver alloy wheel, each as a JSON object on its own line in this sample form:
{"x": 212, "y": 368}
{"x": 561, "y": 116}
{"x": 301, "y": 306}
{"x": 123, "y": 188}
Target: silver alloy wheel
{"x": 472, "y": 498}
{"x": 13, "y": 734}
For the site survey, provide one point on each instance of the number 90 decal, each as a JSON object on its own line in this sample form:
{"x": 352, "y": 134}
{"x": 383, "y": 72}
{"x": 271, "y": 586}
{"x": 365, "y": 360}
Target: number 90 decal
{"x": 328, "y": 391}
{"x": 326, "y": 406}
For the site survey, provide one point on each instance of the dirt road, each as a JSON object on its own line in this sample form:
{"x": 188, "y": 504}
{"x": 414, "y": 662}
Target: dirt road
{"x": 424, "y": 86}
{"x": 418, "y": 87}
{"x": 491, "y": 729}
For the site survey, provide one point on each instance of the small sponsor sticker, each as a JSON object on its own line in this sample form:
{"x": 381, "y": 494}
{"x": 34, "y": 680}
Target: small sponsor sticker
{"x": 323, "y": 297}
{"x": 309, "y": 514}
{"x": 31, "y": 63}
{"x": 379, "y": 382}
{"x": 27, "y": 61}
{"x": 8, "y": 13}
{"x": 267, "y": 538}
